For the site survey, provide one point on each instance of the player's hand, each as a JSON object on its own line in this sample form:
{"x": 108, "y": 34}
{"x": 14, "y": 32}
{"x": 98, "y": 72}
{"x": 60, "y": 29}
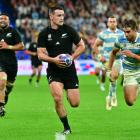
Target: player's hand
{"x": 3, "y": 45}
{"x": 127, "y": 53}
{"x": 59, "y": 62}
{"x": 34, "y": 53}
{"x": 101, "y": 58}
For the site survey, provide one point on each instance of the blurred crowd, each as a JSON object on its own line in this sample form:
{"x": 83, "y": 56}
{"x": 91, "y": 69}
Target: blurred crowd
{"x": 88, "y": 17}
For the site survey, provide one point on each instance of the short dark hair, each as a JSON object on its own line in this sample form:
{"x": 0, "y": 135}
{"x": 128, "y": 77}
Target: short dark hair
{"x": 111, "y": 16}
{"x": 52, "y": 9}
{"x": 5, "y": 14}
{"x": 131, "y": 23}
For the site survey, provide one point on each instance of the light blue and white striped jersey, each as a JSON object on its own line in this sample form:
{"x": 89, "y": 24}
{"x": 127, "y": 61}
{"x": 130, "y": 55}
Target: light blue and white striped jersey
{"x": 129, "y": 64}
{"x": 109, "y": 38}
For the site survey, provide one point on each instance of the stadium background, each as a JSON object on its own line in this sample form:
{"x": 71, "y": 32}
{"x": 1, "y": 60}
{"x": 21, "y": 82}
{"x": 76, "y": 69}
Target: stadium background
{"x": 30, "y": 111}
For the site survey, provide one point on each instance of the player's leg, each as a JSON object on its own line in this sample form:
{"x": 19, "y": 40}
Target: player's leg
{"x": 73, "y": 97}
{"x": 39, "y": 68}
{"x": 111, "y": 99}
{"x": 103, "y": 78}
{"x": 33, "y": 74}
{"x": 113, "y": 85}
{"x": 130, "y": 94}
{"x": 97, "y": 73}
{"x": 11, "y": 77}
{"x": 57, "y": 94}
{"x": 3, "y": 79}
{"x": 9, "y": 87}
{"x": 130, "y": 85}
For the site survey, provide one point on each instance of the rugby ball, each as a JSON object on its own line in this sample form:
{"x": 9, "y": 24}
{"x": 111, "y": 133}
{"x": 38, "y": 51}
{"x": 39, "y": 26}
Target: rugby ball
{"x": 66, "y": 58}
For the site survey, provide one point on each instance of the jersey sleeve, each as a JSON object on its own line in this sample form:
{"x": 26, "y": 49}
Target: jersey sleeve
{"x": 117, "y": 44}
{"x": 30, "y": 47}
{"x": 75, "y": 36}
{"x": 42, "y": 38}
{"x": 17, "y": 37}
{"x": 101, "y": 36}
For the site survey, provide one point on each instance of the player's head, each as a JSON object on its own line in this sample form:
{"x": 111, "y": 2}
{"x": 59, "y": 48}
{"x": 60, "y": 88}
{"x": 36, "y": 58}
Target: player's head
{"x": 56, "y": 15}
{"x": 130, "y": 29}
{"x": 112, "y": 22}
{"x": 4, "y": 20}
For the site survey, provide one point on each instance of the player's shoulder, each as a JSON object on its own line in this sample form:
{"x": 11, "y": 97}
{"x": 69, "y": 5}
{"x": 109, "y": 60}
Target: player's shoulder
{"x": 119, "y": 32}
{"x": 122, "y": 38}
{"x": 104, "y": 32}
{"x": 68, "y": 28}
{"x": 138, "y": 34}
{"x": 44, "y": 30}
{"x": 11, "y": 29}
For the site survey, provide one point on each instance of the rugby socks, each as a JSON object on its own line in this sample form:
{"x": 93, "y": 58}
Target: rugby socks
{"x": 98, "y": 79}
{"x": 112, "y": 89}
{"x": 30, "y": 79}
{"x": 8, "y": 90}
{"x": 37, "y": 81}
{"x": 64, "y": 120}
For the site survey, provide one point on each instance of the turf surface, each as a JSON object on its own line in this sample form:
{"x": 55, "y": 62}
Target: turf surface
{"x": 30, "y": 114}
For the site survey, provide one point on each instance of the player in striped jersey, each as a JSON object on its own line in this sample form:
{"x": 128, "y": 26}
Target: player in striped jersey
{"x": 107, "y": 39}
{"x": 129, "y": 47}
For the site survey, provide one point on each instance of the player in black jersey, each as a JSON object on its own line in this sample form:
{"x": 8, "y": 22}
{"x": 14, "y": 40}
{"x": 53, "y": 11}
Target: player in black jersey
{"x": 10, "y": 41}
{"x": 35, "y": 62}
{"x": 57, "y": 39}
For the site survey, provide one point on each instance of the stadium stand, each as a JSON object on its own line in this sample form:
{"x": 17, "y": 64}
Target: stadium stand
{"x": 87, "y": 17}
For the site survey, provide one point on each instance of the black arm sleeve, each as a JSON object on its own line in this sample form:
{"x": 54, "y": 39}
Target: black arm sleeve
{"x": 74, "y": 36}
{"x": 16, "y": 37}
{"x": 42, "y": 40}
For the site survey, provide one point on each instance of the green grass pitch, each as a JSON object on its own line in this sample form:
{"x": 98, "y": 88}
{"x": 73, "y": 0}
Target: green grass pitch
{"x": 30, "y": 114}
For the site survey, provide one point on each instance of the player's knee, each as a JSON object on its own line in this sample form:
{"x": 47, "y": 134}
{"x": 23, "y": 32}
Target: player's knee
{"x": 113, "y": 77}
{"x": 129, "y": 103}
{"x": 57, "y": 98}
{"x": 75, "y": 104}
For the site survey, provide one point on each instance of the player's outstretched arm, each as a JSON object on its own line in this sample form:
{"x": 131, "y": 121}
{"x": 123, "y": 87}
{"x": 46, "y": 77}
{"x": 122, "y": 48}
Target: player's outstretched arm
{"x": 112, "y": 58}
{"x": 97, "y": 44}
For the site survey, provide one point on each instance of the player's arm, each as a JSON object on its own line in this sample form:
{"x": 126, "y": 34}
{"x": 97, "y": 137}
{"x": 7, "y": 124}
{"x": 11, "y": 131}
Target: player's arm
{"x": 43, "y": 56}
{"x": 97, "y": 44}
{"x": 30, "y": 53}
{"x": 128, "y": 53}
{"x": 80, "y": 48}
{"x": 112, "y": 57}
{"x": 16, "y": 47}
{"x": 93, "y": 55}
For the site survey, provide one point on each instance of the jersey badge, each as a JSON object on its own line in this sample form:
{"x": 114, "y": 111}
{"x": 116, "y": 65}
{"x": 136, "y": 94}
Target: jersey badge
{"x": 64, "y": 35}
{"x": 9, "y": 35}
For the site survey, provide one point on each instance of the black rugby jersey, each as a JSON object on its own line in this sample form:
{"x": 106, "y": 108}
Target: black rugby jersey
{"x": 58, "y": 41}
{"x": 11, "y": 37}
{"x": 33, "y": 48}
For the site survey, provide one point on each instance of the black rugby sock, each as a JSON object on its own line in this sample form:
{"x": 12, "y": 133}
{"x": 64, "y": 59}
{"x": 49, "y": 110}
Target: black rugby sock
{"x": 64, "y": 120}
